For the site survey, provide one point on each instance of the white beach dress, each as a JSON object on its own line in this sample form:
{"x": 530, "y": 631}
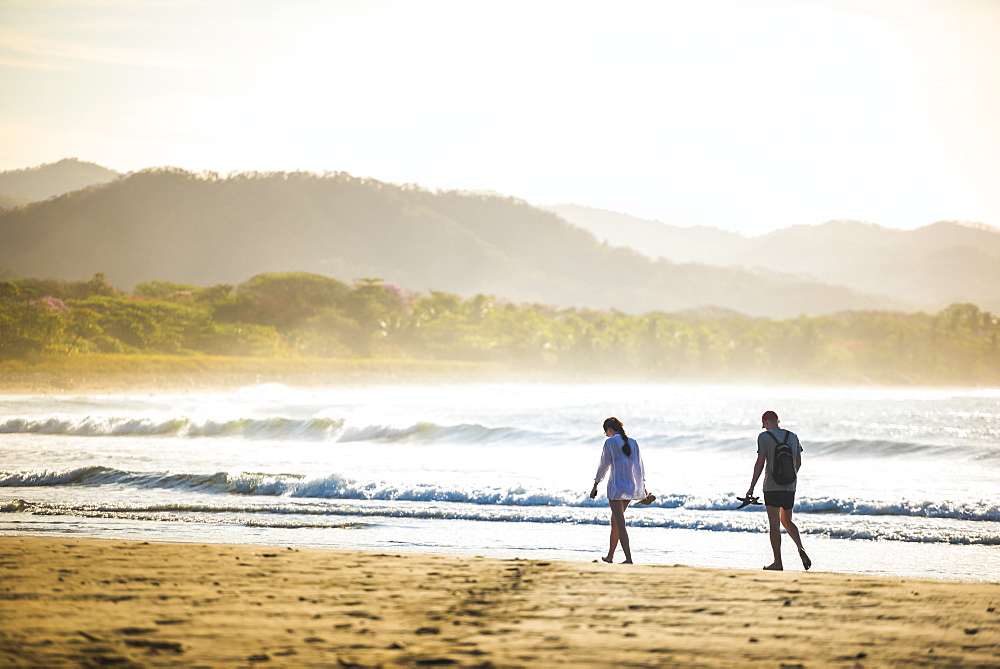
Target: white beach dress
{"x": 628, "y": 476}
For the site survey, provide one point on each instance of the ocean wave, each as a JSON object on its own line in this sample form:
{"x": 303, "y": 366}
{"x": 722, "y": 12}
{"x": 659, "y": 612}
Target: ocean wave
{"x": 338, "y": 429}
{"x": 275, "y": 427}
{"x": 984, "y": 510}
{"x": 889, "y": 448}
{"x": 93, "y": 426}
{"x": 219, "y": 482}
{"x": 13, "y": 506}
{"x": 178, "y": 513}
{"x": 267, "y": 428}
{"x": 464, "y": 433}
{"x": 36, "y": 478}
{"x": 339, "y": 487}
{"x": 117, "y": 426}
{"x": 282, "y": 517}
{"x": 922, "y": 536}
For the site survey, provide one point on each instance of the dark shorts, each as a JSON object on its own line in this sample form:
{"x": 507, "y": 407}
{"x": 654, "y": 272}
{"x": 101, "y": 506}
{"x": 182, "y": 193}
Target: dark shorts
{"x": 783, "y": 498}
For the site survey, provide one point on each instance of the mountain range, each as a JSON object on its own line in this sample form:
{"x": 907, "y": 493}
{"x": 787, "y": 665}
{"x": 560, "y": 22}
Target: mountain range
{"x": 926, "y": 268}
{"x": 73, "y": 219}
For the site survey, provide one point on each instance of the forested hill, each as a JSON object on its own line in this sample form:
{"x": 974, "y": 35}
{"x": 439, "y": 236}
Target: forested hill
{"x": 45, "y": 181}
{"x": 201, "y": 229}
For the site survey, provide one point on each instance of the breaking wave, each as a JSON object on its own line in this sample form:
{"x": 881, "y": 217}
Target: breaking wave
{"x": 334, "y": 429}
{"x": 338, "y": 487}
{"x": 340, "y": 430}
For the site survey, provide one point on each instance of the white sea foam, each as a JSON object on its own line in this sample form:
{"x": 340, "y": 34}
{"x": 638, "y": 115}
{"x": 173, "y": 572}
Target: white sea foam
{"x": 318, "y": 516}
{"x": 339, "y": 487}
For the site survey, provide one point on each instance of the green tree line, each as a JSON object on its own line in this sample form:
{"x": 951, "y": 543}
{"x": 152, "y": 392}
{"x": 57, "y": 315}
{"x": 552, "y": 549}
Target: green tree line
{"x": 312, "y": 316}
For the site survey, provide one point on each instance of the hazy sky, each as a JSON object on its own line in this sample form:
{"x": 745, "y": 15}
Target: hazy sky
{"x": 743, "y": 114}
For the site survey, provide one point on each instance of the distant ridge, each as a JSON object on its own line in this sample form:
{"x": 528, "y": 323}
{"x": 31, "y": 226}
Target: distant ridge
{"x": 44, "y": 181}
{"x": 168, "y": 224}
{"x": 974, "y": 225}
{"x": 928, "y": 268}
{"x": 652, "y": 238}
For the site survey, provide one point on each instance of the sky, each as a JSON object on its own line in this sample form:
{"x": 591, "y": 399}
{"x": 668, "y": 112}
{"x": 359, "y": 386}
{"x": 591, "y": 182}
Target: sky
{"x": 747, "y": 115}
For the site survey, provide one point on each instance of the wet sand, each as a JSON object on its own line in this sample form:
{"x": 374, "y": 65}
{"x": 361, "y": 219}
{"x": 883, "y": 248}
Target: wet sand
{"x": 78, "y": 602}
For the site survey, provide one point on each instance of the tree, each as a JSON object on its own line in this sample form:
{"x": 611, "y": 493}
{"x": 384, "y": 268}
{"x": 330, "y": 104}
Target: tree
{"x": 28, "y": 326}
{"x": 282, "y": 301}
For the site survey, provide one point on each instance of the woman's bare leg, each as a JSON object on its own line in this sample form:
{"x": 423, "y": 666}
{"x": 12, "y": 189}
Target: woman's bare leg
{"x": 619, "y": 531}
{"x": 614, "y": 539}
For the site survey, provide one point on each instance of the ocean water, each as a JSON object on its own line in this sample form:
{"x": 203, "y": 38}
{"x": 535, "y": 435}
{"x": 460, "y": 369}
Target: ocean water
{"x": 898, "y": 483}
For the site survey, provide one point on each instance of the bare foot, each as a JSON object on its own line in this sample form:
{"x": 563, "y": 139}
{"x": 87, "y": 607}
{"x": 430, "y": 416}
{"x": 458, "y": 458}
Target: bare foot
{"x": 607, "y": 559}
{"x": 774, "y": 567}
{"x": 627, "y": 562}
{"x": 806, "y": 562}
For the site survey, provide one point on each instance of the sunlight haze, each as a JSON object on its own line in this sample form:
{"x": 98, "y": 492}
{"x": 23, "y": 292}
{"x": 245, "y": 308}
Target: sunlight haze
{"x": 744, "y": 115}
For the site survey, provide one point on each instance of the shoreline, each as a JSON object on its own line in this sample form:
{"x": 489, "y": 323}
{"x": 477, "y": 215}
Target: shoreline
{"x": 83, "y": 602}
{"x": 151, "y": 374}
{"x": 107, "y": 374}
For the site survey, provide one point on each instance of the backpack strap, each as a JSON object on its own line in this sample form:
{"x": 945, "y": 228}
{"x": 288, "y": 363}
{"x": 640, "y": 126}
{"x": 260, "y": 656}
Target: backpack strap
{"x": 783, "y": 442}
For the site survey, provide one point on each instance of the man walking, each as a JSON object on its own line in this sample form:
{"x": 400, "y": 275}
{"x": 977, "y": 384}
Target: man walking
{"x": 779, "y": 495}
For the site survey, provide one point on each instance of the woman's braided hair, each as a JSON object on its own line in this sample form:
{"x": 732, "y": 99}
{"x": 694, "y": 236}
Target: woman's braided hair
{"x": 616, "y": 425}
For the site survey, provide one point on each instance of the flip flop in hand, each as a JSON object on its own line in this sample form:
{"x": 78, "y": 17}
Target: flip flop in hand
{"x": 748, "y": 500}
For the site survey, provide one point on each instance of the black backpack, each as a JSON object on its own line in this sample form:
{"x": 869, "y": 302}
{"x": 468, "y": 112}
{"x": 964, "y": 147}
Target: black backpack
{"x": 783, "y": 467}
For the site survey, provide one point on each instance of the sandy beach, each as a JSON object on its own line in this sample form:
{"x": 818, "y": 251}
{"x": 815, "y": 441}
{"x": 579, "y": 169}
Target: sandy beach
{"x": 78, "y": 602}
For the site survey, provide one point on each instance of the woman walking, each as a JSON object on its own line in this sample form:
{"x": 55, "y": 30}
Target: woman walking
{"x": 626, "y": 483}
